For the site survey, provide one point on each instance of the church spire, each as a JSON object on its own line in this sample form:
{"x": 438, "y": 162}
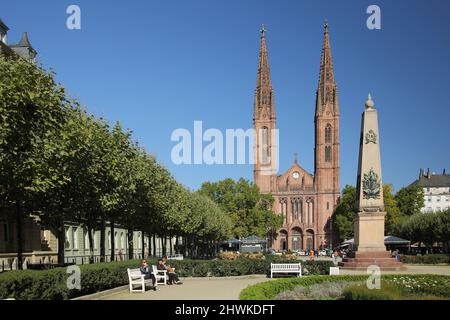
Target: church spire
{"x": 264, "y": 90}
{"x": 327, "y": 90}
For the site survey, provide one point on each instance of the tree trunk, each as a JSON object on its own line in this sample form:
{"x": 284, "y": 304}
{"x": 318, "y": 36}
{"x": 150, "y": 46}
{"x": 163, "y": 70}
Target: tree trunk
{"x": 143, "y": 245}
{"x": 149, "y": 245}
{"x": 113, "y": 245}
{"x": 130, "y": 245}
{"x": 177, "y": 245}
{"x": 19, "y": 220}
{"x": 154, "y": 245}
{"x": 61, "y": 233}
{"x": 171, "y": 247}
{"x": 163, "y": 247}
{"x": 91, "y": 245}
{"x": 102, "y": 241}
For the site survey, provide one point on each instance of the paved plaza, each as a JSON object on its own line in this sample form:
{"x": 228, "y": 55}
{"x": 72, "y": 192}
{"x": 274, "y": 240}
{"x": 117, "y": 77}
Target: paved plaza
{"x": 226, "y": 288}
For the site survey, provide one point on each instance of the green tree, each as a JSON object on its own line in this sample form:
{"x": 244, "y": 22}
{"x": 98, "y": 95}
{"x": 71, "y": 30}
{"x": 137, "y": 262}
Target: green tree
{"x": 250, "y": 211}
{"x": 410, "y": 200}
{"x": 344, "y": 214}
{"x": 391, "y": 208}
{"x": 31, "y": 108}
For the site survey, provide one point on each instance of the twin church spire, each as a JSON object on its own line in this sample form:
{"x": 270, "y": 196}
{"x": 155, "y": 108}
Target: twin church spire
{"x": 327, "y": 88}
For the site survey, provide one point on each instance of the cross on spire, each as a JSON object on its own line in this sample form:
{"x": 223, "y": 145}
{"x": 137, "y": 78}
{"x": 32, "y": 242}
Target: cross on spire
{"x": 263, "y": 30}
{"x": 296, "y": 157}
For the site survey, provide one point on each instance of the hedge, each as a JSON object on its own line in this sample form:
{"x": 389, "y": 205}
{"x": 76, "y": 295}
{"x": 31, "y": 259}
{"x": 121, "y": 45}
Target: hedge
{"x": 426, "y": 259}
{"x": 52, "y": 284}
{"x": 435, "y": 285}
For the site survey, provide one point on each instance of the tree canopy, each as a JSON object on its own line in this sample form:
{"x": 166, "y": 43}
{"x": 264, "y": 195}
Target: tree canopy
{"x": 250, "y": 211}
{"x": 60, "y": 164}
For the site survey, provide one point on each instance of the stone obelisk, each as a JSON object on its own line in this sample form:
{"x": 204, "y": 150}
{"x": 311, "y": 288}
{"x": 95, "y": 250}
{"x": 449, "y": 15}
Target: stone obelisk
{"x": 369, "y": 219}
{"x": 369, "y": 248}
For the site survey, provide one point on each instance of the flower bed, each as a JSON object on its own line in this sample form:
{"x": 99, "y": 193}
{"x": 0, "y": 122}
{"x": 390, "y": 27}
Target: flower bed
{"x": 351, "y": 287}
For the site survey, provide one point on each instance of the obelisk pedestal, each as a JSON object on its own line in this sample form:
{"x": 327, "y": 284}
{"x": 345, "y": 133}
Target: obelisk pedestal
{"x": 369, "y": 248}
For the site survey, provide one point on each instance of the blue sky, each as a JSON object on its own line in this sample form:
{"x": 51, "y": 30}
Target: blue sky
{"x": 160, "y": 65}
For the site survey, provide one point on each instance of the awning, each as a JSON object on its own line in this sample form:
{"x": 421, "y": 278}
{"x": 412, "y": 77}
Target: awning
{"x": 388, "y": 240}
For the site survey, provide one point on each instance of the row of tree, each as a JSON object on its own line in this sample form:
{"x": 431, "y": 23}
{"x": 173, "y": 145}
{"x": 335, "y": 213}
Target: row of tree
{"x": 426, "y": 228}
{"x": 405, "y": 203}
{"x": 60, "y": 164}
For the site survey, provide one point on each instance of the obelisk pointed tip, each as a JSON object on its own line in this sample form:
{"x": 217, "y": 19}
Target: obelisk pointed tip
{"x": 370, "y": 103}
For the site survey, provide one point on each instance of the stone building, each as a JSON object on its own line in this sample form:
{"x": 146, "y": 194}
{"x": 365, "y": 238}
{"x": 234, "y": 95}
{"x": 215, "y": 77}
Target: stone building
{"x": 22, "y": 49}
{"x": 436, "y": 190}
{"x": 306, "y": 201}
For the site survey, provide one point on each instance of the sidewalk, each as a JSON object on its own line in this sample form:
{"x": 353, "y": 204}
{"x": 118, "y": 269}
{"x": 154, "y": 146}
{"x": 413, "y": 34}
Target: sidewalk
{"x": 227, "y": 288}
{"x": 192, "y": 289}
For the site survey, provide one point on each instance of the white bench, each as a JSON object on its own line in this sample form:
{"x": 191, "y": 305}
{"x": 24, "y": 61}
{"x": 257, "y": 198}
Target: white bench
{"x": 286, "y": 268}
{"x": 175, "y": 257}
{"x": 334, "y": 271}
{"x": 135, "y": 277}
{"x": 160, "y": 274}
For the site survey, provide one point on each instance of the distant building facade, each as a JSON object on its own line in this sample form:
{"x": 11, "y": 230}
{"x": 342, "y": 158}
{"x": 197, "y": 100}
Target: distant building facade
{"x": 436, "y": 189}
{"x": 22, "y": 49}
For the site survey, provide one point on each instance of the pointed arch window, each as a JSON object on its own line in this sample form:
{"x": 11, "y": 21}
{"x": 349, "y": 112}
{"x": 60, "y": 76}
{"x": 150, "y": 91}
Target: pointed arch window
{"x": 328, "y": 154}
{"x": 328, "y": 134}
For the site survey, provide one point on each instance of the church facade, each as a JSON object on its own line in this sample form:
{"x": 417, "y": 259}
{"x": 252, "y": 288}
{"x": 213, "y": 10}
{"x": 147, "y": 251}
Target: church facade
{"x": 306, "y": 201}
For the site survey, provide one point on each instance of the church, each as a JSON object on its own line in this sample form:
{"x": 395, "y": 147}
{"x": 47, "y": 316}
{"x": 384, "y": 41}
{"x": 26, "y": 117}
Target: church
{"x": 306, "y": 201}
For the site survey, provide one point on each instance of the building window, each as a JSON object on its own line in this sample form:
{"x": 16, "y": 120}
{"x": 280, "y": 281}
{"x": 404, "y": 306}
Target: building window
{"x": 122, "y": 241}
{"x": 328, "y": 134}
{"x": 327, "y": 154}
{"x": 68, "y": 238}
{"x": 75, "y": 239}
{"x": 86, "y": 240}
{"x": 328, "y": 206}
{"x": 438, "y": 199}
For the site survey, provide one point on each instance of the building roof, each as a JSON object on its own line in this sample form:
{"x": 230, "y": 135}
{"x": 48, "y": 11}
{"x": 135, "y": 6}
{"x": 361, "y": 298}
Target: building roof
{"x": 433, "y": 181}
{"x": 24, "y": 41}
{"x": 3, "y": 25}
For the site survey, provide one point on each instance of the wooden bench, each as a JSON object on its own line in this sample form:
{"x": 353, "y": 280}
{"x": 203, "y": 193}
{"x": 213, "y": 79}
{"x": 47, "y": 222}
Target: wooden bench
{"x": 285, "y": 268}
{"x": 135, "y": 277}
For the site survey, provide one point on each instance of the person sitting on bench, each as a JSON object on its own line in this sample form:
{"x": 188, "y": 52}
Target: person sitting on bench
{"x": 173, "y": 277}
{"x": 148, "y": 275}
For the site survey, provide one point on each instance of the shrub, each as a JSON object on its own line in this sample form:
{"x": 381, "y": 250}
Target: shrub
{"x": 51, "y": 284}
{"x": 426, "y": 259}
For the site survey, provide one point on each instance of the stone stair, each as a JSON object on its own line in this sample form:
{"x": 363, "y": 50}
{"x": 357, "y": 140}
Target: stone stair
{"x": 362, "y": 260}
